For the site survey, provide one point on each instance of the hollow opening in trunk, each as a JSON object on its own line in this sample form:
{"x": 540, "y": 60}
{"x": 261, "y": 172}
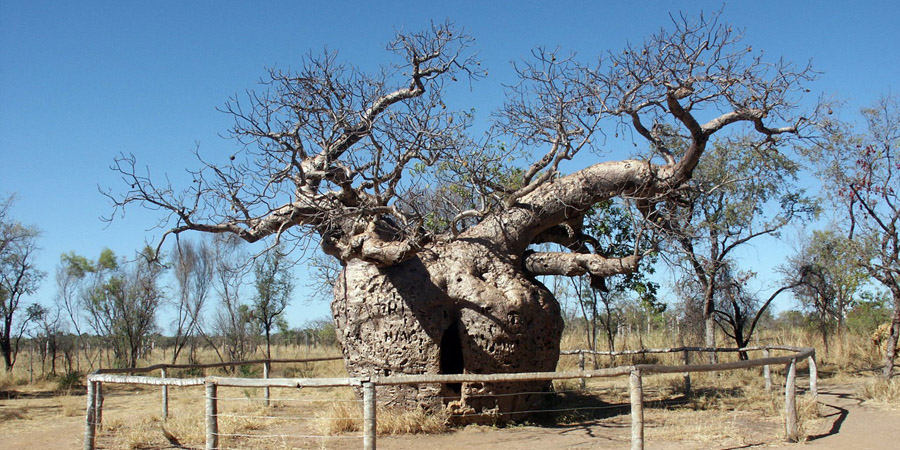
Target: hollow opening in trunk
{"x": 451, "y": 355}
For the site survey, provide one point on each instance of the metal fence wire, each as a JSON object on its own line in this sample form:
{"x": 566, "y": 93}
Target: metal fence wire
{"x": 242, "y": 413}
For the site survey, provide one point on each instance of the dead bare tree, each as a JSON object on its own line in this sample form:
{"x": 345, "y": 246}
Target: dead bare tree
{"x": 354, "y": 160}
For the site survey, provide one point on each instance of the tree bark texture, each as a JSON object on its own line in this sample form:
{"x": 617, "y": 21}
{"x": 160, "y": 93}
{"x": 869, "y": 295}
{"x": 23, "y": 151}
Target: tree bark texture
{"x": 890, "y": 352}
{"x": 458, "y": 307}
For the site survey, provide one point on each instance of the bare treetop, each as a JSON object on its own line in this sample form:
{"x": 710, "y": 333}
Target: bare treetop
{"x": 379, "y": 168}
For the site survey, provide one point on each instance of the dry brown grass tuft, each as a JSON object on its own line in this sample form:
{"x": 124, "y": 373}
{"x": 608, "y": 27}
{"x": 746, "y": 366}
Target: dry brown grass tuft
{"x": 70, "y": 405}
{"x": 19, "y": 414}
{"x": 882, "y": 392}
{"x": 133, "y": 435}
{"x": 7, "y": 383}
{"x": 340, "y": 417}
{"x": 188, "y": 429}
{"x": 346, "y": 417}
{"x": 418, "y": 421}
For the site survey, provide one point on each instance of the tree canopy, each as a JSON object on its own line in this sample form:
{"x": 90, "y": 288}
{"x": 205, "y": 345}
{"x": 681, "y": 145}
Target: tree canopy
{"x": 354, "y": 157}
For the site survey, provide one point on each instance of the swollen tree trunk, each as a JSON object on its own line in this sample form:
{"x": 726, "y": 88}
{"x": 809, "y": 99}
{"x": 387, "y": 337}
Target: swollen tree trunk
{"x": 472, "y": 304}
{"x": 455, "y": 308}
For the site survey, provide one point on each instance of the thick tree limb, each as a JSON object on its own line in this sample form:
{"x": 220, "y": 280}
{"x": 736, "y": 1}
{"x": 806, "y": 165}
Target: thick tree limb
{"x": 573, "y": 264}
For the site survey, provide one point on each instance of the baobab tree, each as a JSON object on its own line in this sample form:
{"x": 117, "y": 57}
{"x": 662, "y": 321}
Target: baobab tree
{"x": 436, "y": 231}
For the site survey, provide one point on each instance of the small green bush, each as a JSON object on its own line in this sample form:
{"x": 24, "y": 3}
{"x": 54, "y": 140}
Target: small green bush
{"x": 70, "y": 381}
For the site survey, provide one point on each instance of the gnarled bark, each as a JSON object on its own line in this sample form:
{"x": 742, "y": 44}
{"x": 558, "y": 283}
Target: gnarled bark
{"x": 459, "y": 307}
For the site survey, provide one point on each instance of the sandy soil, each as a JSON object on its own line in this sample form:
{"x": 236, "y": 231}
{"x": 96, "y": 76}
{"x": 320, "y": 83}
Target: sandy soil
{"x": 47, "y": 422}
{"x": 847, "y": 424}
{"x": 850, "y": 424}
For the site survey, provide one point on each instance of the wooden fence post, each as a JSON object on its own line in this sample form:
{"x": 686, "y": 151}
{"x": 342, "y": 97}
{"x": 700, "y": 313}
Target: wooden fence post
{"x": 687, "y": 375}
{"x": 581, "y": 366}
{"x": 767, "y": 372}
{"x": 369, "y": 421}
{"x": 791, "y": 430}
{"x": 165, "y": 396}
{"x": 813, "y": 376}
{"x": 212, "y": 417}
{"x": 98, "y": 405}
{"x": 266, "y": 376}
{"x": 637, "y": 410}
{"x": 90, "y": 425}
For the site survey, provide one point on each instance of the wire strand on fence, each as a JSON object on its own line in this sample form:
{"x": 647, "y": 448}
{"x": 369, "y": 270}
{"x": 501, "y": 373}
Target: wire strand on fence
{"x": 635, "y": 371}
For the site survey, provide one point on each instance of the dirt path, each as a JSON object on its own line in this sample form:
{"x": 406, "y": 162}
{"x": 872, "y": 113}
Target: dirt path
{"x": 847, "y": 424}
{"x": 42, "y": 422}
{"x": 850, "y": 424}
{"x": 54, "y": 423}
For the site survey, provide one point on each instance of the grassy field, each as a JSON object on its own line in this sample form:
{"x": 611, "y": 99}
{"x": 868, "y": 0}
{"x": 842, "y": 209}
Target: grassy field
{"x": 724, "y": 406}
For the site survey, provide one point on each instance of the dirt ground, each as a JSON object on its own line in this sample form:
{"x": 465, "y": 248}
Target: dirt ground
{"x": 52, "y": 422}
{"x": 847, "y": 423}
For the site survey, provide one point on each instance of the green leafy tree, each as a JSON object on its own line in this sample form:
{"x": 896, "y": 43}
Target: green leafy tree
{"x": 193, "y": 266}
{"x": 19, "y": 277}
{"x": 740, "y": 192}
{"x": 860, "y": 165}
{"x": 612, "y": 230}
{"x": 121, "y": 300}
{"x": 273, "y": 291}
{"x": 71, "y": 281}
{"x": 827, "y": 274}
{"x": 868, "y": 312}
{"x": 233, "y": 319}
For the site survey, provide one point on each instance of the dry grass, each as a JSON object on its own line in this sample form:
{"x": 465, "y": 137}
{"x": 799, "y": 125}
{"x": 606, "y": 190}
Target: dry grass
{"x": 345, "y": 416}
{"x": 19, "y": 414}
{"x": 185, "y": 426}
{"x": 881, "y": 392}
{"x": 132, "y": 435}
{"x": 418, "y": 421}
{"x": 70, "y": 406}
{"x": 730, "y": 407}
{"x": 341, "y": 416}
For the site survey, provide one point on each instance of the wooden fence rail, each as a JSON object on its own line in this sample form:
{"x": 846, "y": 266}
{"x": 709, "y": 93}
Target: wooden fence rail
{"x": 635, "y": 372}
{"x": 163, "y": 368}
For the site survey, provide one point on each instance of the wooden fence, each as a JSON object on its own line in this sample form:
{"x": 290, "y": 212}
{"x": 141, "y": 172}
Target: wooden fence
{"x": 635, "y": 373}
{"x": 163, "y": 368}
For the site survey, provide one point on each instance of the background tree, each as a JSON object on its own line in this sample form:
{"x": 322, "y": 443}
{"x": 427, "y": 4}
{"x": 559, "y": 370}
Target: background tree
{"x": 193, "y": 266}
{"x": 861, "y": 166}
{"x": 233, "y": 320}
{"x": 18, "y": 278}
{"x": 827, "y": 275}
{"x": 122, "y": 301}
{"x": 273, "y": 291}
{"x": 47, "y": 333}
{"x": 352, "y": 158}
{"x": 868, "y": 312}
{"x": 71, "y": 282}
{"x": 740, "y": 191}
{"x": 615, "y": 232}
{"x": 737, "y": 310}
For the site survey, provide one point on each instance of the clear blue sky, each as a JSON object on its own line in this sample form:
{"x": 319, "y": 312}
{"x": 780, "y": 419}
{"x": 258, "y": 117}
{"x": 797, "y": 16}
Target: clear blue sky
{"x": 83, "y": 81}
